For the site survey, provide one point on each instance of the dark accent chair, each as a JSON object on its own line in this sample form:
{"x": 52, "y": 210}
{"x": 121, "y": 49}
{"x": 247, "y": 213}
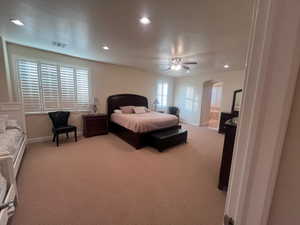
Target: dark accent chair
{"x": 173, "y": 110}
{"x": 60, "y": 125}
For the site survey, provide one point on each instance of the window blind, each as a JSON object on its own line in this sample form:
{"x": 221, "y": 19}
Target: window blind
{"x": 30, "y": 87}
{"x": 191, "y": 99}
{"x": 49, "y": 79}
{"x": 82, "y": 88}
{"x": 49, "y": 87}
{"x": 162, "y": 94}
{"x": 67, "y": 87}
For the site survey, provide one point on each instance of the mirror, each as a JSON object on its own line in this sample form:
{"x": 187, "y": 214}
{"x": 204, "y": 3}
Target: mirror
{"x": 236, "y": 103}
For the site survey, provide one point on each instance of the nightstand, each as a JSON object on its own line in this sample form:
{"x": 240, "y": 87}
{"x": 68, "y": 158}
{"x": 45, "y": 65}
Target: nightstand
{"x": 95, "y": 124}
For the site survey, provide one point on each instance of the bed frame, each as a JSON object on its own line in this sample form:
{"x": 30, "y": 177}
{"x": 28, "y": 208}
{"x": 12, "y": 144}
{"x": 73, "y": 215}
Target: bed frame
{"x": 14, "y": 111}
{"x": 137, "y": 140}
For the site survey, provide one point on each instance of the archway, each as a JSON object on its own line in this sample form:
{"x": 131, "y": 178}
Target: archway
{"x": 211, "y": 104}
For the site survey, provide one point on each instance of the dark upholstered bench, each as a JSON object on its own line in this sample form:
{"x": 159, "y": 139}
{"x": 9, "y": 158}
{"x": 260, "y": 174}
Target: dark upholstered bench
{"x": 167, "y": 138}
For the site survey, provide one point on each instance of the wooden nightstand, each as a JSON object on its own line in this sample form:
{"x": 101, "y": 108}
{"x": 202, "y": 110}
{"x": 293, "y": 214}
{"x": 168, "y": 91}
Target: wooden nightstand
{"x": 95, "y": 124}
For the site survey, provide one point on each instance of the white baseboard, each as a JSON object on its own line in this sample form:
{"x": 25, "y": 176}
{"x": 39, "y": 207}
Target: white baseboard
{"x": 187, "y": 122}
{"x": 47, "y": 138}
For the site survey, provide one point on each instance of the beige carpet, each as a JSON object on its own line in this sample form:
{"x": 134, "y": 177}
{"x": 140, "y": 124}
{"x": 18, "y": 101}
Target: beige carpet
{"x": 104, "y": 181}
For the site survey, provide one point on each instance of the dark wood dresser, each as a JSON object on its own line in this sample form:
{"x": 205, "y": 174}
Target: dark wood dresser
{"x": 224, "y": 117}
{"x": 230, "y": 131}
{"x": 95, "y": 124}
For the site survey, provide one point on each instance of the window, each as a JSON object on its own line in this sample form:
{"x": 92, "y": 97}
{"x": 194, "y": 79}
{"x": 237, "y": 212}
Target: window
{"x": 46, "y": 87}
{"x": 162, "y": 94}
{"x": 191, "y": 100}
{"x": 216, "y": 95}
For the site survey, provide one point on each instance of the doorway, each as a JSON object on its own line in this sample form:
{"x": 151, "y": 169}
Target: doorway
{"x": 211, "y": 104}
{"x": 215, "y": 106}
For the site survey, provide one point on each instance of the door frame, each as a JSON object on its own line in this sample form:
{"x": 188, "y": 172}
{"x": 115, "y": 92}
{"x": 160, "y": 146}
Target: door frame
{"x": 204, "y": 105}
{"x": 271, "y": 73}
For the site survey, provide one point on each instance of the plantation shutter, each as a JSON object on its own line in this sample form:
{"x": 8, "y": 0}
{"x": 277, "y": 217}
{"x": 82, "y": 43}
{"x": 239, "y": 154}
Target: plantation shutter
{"x": 49, "y": 87}
{"x": 82, "y": 77}
{"x": 67, "y": 87}
{"x": 29, "y": 85}
{"x": 49, "y": 83}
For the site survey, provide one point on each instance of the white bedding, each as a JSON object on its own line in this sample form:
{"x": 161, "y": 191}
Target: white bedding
{"x": 10, "y": 141}
{"x": 145, "y": 122}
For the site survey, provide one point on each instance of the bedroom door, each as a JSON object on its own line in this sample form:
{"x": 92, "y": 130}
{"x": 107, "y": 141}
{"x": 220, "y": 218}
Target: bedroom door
{"x": 271, "y": 73}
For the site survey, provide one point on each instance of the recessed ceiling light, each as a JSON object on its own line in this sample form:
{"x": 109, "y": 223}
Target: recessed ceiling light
{"x": 145, "y": 20}
{"x": 17, "y": 22}
{"x": 105, "y": 47}
{"x": 226, "y": 66}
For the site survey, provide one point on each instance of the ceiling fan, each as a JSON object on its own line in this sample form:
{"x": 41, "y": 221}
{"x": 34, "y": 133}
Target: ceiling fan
{"x": 178, "y": 64}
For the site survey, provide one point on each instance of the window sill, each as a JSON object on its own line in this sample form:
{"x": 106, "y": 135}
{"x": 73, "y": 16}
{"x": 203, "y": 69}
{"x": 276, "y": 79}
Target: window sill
{"x": 46, "y": 113}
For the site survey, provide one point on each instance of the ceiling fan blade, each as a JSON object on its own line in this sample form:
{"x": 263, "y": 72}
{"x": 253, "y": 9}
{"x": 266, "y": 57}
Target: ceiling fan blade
{"x": 190, "y": 63}
{"x": 164, "y": 70}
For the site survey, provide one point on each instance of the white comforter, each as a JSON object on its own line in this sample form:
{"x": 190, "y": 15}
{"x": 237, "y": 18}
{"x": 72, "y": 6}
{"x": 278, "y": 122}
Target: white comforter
{"x": 145, "y": 122}
{"x": 10, "y": 141}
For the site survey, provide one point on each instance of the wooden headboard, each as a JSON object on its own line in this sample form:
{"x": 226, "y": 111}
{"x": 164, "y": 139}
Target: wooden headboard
{"x": 115, "y": 101}
{"x": 14, "y": 111}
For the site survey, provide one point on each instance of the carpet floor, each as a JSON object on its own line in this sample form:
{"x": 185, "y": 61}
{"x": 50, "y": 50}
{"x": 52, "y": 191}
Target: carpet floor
{"x": 104, "y": 181}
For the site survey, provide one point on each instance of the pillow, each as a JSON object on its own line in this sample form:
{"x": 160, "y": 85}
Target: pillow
{"x": 127, "y": 109}
{"x": 139, "y": 110}
{"x": 11, "y": 124}
{"x": 118, "y": 111}
{"x": 2, "y": 126}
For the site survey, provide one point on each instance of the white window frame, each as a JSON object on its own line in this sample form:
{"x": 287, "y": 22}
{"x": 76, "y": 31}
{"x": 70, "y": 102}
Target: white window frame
{"x": 192, "y": 99}
{"x": 160, "y": 97}
{"x": 18, "y": 84}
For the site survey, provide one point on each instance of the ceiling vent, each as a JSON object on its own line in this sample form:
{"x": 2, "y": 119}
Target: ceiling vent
{"x": 59, "y": 44}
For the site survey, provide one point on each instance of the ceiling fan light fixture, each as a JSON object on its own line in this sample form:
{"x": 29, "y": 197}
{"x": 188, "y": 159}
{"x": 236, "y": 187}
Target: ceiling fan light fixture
{"x": 145, "y": 20}
{"x": 176, "y": 67}
{"x": 17, "y": 22}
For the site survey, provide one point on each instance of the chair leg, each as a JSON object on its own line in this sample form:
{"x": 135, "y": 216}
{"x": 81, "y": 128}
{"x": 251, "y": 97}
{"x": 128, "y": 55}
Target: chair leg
{"x": 53, "y": 140}
{"x": 75, "y": 135}
{"x": 57, "y": 140}
{"x": 67, "y": 135}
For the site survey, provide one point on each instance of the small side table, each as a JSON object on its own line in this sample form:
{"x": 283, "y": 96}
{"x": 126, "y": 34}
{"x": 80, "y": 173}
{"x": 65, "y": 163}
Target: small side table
{"x": 95, "y": 124}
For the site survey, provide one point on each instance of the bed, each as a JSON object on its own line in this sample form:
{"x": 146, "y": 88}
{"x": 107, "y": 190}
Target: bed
{"x": 12, "y": 148}
{"x": 135, "y": 129}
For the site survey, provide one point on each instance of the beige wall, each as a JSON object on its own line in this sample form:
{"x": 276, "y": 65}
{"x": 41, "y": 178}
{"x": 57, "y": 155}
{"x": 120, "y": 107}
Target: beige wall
{"x": 231, "y": 80}
{"x": 106, "y": 79}
{"x": 286, "y": 200}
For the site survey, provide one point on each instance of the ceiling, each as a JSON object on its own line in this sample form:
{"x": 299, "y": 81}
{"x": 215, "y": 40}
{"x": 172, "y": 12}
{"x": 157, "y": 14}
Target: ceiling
{"x": 211, "y": 32}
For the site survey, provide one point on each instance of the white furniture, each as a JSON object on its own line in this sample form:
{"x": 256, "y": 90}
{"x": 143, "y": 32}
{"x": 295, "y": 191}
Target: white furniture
{"x": 10, "y": 163}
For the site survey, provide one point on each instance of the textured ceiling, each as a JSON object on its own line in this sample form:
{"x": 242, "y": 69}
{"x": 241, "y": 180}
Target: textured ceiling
{"x": 212, "y": 32}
